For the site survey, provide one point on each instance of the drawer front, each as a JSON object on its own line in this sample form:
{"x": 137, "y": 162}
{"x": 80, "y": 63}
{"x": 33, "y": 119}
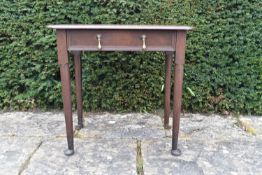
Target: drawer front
{"x": 121, "y": 40}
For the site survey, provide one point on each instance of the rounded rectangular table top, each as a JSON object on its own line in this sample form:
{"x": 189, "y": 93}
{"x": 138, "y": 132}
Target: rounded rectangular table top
{"x": 119, "y": 27}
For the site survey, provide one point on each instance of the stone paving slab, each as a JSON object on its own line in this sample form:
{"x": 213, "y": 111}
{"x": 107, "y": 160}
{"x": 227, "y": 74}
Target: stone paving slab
{"x": 252, "y": 124}
{"x": 104, "y": 125}
{"x": 236, "y": 157}
{"x": 32, "y": 124}
{"x": 134, "y": 125}
{"x": 15, "y": 152}
{"x": 92, "y": 157}
{"x": 212, "y": 127}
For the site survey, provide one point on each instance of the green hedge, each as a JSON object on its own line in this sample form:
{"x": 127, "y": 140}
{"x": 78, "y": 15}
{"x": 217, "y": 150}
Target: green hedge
{"x": 223, "y": 69}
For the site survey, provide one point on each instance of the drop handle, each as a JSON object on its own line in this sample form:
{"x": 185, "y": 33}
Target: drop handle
{"x": 143, "y": 37}
{"x": 98, "y": 37}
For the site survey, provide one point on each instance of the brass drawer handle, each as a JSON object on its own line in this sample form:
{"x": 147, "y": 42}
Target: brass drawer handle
{"x": 144, "y": 42}
{"x": 98, "y": 37}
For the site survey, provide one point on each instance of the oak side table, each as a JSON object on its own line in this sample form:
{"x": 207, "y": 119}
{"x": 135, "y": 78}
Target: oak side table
{"x": 78, "y": 38}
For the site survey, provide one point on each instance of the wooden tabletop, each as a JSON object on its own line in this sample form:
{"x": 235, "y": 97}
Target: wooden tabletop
{"x": 119, "y": 27}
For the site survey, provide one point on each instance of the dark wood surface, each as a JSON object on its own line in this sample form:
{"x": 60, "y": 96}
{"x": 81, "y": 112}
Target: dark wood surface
{"x": 120, "y": 40}
{"x": 120, "y": 27}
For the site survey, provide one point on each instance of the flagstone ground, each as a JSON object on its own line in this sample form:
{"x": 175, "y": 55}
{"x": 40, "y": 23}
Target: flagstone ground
{"x": 133, "y": 143}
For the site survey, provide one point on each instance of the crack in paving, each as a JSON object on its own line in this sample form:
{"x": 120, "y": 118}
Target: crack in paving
{"x": 17, "y": 136}
{"x": 139, "y": 159}
{"x": 27, "y": 161}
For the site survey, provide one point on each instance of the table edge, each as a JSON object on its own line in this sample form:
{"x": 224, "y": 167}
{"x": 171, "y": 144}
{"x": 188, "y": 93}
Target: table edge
{"x": 120, "y": 27}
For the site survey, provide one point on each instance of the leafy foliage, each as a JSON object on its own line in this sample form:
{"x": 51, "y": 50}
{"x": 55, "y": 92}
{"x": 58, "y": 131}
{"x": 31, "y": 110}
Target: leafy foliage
{"x": 223, "y": 70}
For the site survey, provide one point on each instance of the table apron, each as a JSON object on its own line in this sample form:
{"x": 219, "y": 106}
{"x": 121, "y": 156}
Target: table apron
{"x": 121, "y": 40}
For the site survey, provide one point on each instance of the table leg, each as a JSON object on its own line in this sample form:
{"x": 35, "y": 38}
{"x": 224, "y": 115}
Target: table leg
{"x": 78, "y": 79}
{"x": 168, "y": 64}
{"x": 65, "y": 80}
{"x": 178, "y": 83}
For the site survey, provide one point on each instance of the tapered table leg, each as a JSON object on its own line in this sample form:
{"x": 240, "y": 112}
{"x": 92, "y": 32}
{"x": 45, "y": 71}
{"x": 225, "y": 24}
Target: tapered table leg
{"x": 66, "y": 91}
{"x": 168, "y": 64}
{"x": 78, "y": 79}
{"x": 178, "y": 83}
